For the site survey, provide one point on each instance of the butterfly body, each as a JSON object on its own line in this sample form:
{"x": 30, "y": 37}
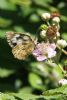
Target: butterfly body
{"x": 21, "y": 43}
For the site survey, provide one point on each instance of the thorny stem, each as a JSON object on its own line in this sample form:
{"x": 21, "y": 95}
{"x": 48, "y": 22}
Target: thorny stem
{"x": 51, "y": 63}
{"x": 65, "y": 52}
{"x": 54, "y": 65}
{"x": 64, "y": 72}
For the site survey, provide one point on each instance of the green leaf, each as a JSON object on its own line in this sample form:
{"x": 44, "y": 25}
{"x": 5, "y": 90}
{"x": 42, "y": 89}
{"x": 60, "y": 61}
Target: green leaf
{"x": 64, "y": 18}
{"x": 42, "y": 2}
{"x": 5, "y": 4}
{"x": 54, "y": 94}
{"x": 57, "y": 94}
{"x": 54, "y": 97}
{"x": 25, "y": 90}
{"x": 60, "y": 90}
{"x": 4, "y": 22}
{"x": 64, "y": 36}
{"x": 40, "y": 68}
{"x": 6, "y": 97}
{"x": 26, "y": 10}
{"x": 5, "y": 72}
{"x": 21, "y": 2}
{"x": 24, "y": 96}
{"x": 34, "y": 18}
{"x": 57, "y": 72}
{"x": 18, "y": 29}
{"x": 35, "y": 81}
{"x": 2, "y": 33}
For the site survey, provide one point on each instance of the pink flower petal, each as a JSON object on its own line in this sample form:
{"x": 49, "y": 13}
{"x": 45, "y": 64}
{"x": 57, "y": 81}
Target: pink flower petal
{"x": 41, "y": 58}
{"x": 36, "y": 52}
{"x": 53, "y": 46}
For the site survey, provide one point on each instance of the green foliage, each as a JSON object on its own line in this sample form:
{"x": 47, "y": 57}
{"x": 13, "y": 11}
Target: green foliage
{"x": 55, "y": 94}
{"x": 35, "y": 81}
{"x": 21, "y": 2}
{"x": 6, "y": 5}
{"x": 6, "y": 97}
{"x": 4, "y": 22}
{"x": 5, "y": 72}
{"x": 58, "y": 93}
{"x": 26, "y": 80}
{"x": 64, "y": 36}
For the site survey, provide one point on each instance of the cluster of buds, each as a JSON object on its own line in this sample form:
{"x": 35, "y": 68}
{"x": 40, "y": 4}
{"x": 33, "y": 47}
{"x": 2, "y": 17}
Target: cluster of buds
{"x": 52, "y": 30}
{"x": 55, "y": 16}
{"x": 49, "y": 37}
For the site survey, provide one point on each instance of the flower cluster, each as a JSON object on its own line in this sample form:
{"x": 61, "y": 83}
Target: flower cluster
{"x": 48, "y": 39}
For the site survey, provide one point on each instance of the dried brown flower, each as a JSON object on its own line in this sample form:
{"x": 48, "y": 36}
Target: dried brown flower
{"x": 51, "y": 31}
{"x": 55, "y": 14}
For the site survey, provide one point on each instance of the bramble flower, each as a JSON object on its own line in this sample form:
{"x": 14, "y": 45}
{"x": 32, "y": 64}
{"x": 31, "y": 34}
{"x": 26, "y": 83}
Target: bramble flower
{"x": 43, "y": 51}
{"x": 62, "y": 81}
{"x": 51, "y": 31}
{"x": 62, "y": 43}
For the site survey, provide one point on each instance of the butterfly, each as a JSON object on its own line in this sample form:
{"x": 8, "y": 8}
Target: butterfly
{"x": 21, "y": 43}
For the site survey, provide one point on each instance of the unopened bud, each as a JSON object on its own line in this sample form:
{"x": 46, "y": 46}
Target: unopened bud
{"x": 55, "y": 14}
{"x": 58, "y": 34}
{"x": 62, "y": 43}
{"x": 56, "y": 19}
{"x": 43, "y": 34}
{"x": 43, "y": 27}
{"x": 46, "y": 16}
{"x": 62, "y": 82}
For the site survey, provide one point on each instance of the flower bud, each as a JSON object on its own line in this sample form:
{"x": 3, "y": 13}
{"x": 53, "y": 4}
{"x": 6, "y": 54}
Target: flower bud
{"x": 62, "y": 81}
{"x": 62, "y": 43}
{"x": 56, "y": 19}
{"x": 43, "y": 27}
{"x": 58, "y": 34}
{"x": 55, "y": 14}
{"x": 46, "y": 16}
{"x": 43, "y": 34}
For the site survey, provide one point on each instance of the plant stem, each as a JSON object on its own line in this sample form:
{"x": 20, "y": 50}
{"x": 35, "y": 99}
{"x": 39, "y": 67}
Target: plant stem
{"x": 65, "y": 52}
{"x": 64, "y": 72}
{"x": 48, "y": 23}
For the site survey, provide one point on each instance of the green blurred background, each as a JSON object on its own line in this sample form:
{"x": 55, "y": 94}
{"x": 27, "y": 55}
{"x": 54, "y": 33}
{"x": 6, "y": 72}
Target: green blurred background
{"x": 25, "y": 16}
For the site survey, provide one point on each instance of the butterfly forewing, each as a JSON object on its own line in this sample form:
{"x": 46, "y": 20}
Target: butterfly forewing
{"x": 22, "y": 44}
